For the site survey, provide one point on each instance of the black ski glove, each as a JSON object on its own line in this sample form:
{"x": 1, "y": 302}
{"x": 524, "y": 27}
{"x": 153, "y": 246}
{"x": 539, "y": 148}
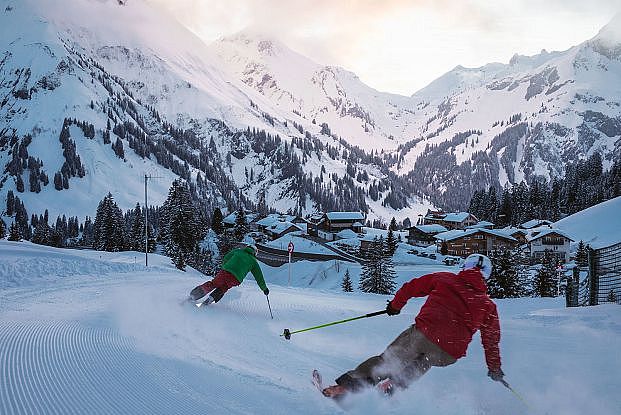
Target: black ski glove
{"x": 496, "y": 375}
{"x": 391, "y": 311}
{"x": 197, "y": 292}
{"x": 266, "y": 291}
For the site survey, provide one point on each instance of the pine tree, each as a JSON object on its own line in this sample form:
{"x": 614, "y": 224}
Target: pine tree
{"x": 216, "y": 221}
{"x": 2, "y": 229}
{"x": 581, "y": 255}
{"x": 391, "y": 242}
{"x": 109, "y": 226}
{"x": 183, "y": 231}
{"x": 378, "y": 273}
{"x": 346, "y": 285}
{"x": 14, "y": 233}
{"x": 503, "y": 282}
{"x": 136, "y": 234}
{"x": 545, "y": 284}
{"x": 241, "y": 225}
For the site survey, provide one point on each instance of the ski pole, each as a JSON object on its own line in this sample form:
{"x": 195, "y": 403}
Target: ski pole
{"x": 269, "y": 306}
{"x": 506, "y": 385}
{"x": 287, "y": 333}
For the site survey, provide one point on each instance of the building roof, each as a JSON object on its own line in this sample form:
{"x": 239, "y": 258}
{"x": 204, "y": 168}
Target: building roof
{"x": 458, "y": 233}
{"x": 280, "y": 227}
{"x": 540, "y": 233}
{"x": 456, "y": 217}
{"x": 533, "y": 223}
{"x": 275, "y": 217}
{"x": 480, "y": 224}
{"x": 269, "y": 219}
{"x": 355, "y": 216}
{"x": 430, "y": 229}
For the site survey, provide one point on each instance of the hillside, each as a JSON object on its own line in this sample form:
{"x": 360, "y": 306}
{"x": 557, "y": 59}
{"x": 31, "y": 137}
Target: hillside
{"x": 248, "y": 119}
{"x": 96, "y": 332}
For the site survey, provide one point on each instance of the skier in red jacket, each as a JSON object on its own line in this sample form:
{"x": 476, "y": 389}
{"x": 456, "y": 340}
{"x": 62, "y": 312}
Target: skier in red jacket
{"x": 457, "y": 306}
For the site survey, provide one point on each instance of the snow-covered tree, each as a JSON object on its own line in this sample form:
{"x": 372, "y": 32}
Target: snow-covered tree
{"x": 2, "y": 229}
{"x": 14, "y": 233}
{"x": 346, "y": 284}
{"x": 241, "y": 224}
{"x": 182, "y": 227}
{"x": 378, "y": 273}
{"x": 109, "y": 226}
{"x": 216, "y": 221}
{"x": 545, "y": 283}
{"x": 504, "y": 281}
{"x": 582, "y": 255}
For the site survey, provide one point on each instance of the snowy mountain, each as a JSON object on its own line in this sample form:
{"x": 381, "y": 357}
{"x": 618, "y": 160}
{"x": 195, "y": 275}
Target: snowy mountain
{"x": 367, "y": 118}
{"x": 91, "y": 101}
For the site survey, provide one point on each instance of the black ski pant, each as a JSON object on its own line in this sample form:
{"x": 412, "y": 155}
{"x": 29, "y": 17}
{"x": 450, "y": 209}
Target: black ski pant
{"x": 406, "y": 359}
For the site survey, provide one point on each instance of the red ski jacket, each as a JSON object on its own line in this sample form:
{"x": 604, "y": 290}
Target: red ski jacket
{"x": 457, "y": 306}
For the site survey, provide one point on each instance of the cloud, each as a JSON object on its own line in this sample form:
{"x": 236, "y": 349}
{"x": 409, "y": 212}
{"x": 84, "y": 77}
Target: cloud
{"x": 400, "y": 45}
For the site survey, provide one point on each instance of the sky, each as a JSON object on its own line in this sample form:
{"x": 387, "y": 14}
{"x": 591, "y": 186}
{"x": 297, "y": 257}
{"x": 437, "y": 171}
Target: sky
{"x": 400, "y": 46}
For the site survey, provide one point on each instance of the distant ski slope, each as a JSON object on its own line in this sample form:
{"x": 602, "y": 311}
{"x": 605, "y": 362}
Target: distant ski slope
{"x": 94, "y": 332}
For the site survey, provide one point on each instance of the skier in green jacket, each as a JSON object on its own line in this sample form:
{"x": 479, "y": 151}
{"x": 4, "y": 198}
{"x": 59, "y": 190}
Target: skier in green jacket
{"x": 235, "y": 266}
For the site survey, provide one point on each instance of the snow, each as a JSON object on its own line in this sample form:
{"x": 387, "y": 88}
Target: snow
{"x": 599, "y": 225}
{"x": 537, "y": 233}
{"x": 534, "y": 223}
{"x": 79, "y": 335}
{"x": 345, "y": 216}
{"x": 301, "y": 244}
{"x": 434, "y": 228}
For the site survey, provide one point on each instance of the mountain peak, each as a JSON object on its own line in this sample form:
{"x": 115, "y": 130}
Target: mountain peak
{"x": 608, "y": 41}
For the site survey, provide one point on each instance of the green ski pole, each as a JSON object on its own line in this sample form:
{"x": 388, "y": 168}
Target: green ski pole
{"x": 287, "y": 333}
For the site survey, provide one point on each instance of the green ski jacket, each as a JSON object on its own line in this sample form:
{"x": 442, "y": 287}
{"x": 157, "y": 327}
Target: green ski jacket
{"x": 241, "y": 261}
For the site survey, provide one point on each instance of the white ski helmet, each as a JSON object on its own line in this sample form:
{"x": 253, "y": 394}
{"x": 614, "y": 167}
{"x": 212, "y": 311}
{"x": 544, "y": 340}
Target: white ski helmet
{"x": 255, "y": 250}
{"x": 480, "y": 262}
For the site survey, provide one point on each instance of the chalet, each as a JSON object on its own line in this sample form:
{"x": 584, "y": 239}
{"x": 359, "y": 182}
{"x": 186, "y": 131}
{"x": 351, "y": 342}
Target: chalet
{"x": 273, "y": 218}
{"x": 455, "y": 220}
{"x": 279, "y": 229}
{"x": 554, "y": 241}
{"x": 474, "y": 241}
{"x": 330, "y": 224}
{"x": 423, "y": 235}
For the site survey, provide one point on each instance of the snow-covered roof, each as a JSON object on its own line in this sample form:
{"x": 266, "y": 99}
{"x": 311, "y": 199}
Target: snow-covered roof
{"x": 269, "y": 219}
{"x": 458, "y": 233}
{"x": 347, "y": 234}
{"x": 540, "y": 233}
{"x": 598, "y": 226}
{"x": 345, "y": 216}
{"x": 534, "y": 223}
{"x": 430, "y": 229}
{"x": 275, "y": 217}
{"x": 230, "y": 219}
{"x": 480, "y": 224}
{"x": 279, "y": 227}
{"x": 456, "y": 217}
{"x": 357, "y": 224}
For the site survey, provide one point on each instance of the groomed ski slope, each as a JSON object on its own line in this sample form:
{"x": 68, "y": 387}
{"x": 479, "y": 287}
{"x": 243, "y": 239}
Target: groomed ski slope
{"x": 93, "y": 332}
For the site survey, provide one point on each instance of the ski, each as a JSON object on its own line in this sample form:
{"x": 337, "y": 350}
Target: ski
{"x": 317, "y": 381}
{"x": 205, "y": 303}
